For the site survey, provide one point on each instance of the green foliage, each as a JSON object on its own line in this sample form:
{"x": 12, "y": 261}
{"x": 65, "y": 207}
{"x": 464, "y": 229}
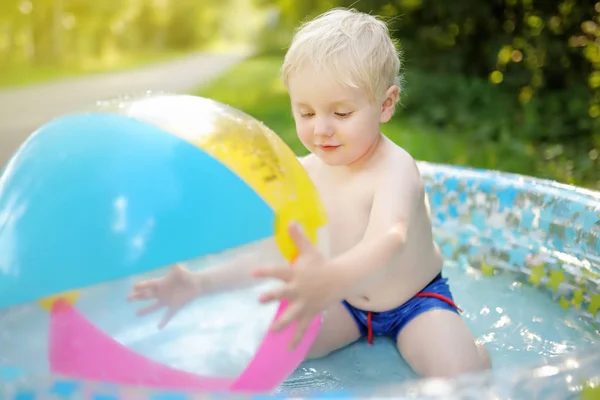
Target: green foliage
{"x": 518, "y": 76}
{"x": 254, "y": 87}
{"x": 273, "y": 41}
{"x": 538, "y": 53}
{"x": 474, "y": 111}
{"x": 72, "y": 36}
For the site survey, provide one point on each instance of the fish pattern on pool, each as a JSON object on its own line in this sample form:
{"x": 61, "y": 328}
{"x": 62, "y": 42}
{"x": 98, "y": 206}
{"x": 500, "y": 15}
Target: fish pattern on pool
{"x": 547, "y": 234}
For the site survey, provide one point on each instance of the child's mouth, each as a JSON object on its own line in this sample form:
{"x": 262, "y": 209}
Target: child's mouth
{"x": 328, "y": 148}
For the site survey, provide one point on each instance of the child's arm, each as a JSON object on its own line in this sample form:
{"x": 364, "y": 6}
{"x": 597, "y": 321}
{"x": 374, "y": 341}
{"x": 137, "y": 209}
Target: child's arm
{"x": 181, "y": 286}
{"x": 391, "y": 214}
{"x": 235, "y": 273}
{"x": 316, "y": 282}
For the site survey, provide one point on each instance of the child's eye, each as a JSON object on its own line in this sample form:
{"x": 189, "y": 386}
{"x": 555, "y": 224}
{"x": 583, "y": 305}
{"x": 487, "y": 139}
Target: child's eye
{"x": 305, "y": 115}
{"x": 343, "y": 114}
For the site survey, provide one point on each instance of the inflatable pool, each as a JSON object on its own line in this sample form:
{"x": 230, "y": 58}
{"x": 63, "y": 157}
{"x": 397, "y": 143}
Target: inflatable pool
{"x": 93, "y": 202}
{"x": 523, "y": 256}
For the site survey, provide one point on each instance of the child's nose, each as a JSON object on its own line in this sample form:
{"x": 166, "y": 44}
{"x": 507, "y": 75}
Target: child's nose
{"x": 323, "y": 127}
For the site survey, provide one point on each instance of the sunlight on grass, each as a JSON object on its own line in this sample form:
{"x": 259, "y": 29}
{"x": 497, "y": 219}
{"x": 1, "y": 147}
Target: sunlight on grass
{"x": 253, "y": 87}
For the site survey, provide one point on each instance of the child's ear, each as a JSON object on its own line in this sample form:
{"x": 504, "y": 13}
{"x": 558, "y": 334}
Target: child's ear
{"x": 389, "y": 103}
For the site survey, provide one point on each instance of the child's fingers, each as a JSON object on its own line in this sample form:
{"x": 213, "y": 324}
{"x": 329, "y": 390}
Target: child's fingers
{"x": 149, "y": 309}
{"x": 146, "y": 284}
{"x": 301, "y": 328}
{"x": 167, "y": 317}
{"x": 281, "y": 272}
{"x": 133, "y": 296}
{"x": 278, "y": 293}
{"x": 289, "y": 316}
{"x": 143, "y": 293}
{"x": 298, "y": 236}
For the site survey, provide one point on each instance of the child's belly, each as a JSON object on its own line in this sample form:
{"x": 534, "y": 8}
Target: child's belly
{"x": 398, "y": 285}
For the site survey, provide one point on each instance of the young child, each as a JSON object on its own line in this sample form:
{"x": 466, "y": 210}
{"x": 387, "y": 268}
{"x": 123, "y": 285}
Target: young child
{"x": 384, "y": 274}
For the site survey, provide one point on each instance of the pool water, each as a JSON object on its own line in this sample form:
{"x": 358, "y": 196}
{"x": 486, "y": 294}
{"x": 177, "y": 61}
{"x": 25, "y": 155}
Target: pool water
{"x": 519, "y": 324}
{"x": 522, "y": 260}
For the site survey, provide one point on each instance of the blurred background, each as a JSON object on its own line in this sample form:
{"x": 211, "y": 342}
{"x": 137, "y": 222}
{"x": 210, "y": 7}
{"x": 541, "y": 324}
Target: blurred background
{"x": 512, "y": 85}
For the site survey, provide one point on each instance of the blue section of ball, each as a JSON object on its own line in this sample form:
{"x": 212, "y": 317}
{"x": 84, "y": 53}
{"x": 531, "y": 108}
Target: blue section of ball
{"x": 96, "y": 197}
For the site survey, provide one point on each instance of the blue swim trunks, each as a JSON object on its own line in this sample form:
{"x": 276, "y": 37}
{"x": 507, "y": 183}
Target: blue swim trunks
{"x": 436, "y": 295}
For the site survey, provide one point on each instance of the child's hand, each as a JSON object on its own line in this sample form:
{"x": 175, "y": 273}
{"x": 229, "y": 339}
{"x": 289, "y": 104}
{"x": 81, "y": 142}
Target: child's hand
{"x": 172, "y": 291}
{"x": 310, "y": 286}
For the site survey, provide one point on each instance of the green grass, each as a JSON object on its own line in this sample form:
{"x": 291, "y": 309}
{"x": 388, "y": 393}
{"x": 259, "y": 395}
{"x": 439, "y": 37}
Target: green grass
{"x": 253, "y": 86}
{"x": 16, "y": 75}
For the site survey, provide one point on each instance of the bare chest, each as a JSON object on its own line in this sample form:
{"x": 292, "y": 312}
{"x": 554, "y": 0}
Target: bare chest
{"x": 348, "y": 206}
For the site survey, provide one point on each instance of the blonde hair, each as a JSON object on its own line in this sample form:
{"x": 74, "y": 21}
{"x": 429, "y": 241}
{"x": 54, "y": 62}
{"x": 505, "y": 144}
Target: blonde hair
{"x": 354, "y": 47}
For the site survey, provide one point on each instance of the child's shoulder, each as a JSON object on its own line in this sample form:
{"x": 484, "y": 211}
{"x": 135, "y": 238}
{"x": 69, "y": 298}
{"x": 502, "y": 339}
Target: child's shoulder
{"x": 399, "y": 184}
{"x": 399, "y": 176}
{"x": 399, "y": 160}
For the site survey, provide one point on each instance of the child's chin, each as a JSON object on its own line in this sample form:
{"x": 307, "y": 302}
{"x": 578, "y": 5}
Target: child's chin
{"x": 334, "y": 161}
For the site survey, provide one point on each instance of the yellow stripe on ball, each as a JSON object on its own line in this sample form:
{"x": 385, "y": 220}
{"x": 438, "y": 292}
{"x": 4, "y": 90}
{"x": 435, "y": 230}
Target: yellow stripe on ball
{"x": 251, "y": 150}
{"x": 270, "y": 167}
{"x": 48, "y": 302}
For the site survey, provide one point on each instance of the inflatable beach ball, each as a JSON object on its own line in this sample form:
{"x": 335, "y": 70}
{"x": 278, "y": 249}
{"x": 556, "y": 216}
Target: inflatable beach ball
{"x": 94, "y": 202}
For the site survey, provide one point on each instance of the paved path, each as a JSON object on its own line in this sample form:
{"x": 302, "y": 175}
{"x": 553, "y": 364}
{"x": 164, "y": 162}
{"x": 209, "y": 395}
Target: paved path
{"x": 22, "y": 110}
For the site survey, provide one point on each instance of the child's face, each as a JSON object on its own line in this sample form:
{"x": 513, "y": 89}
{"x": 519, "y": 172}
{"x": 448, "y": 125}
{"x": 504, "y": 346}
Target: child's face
{"x": 336, "y": 123}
